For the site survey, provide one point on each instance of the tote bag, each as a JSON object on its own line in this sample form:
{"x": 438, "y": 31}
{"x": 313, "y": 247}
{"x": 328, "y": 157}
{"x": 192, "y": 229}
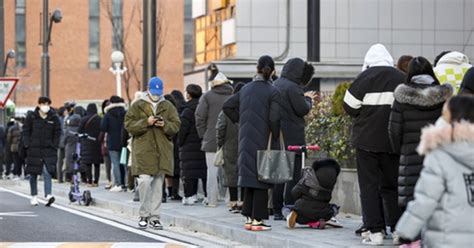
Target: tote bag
{"x": 275, "y": 166}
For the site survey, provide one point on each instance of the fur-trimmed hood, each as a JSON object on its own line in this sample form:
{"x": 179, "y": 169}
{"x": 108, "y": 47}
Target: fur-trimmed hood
{"x": 115, "y": 105}
{"x": 457, "y": 140}
{"x": 423, "y": 95}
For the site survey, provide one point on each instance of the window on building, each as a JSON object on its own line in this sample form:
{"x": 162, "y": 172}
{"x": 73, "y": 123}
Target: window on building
{"x": 20, "y": 33}
{"x": 208, "y": 34}
{"x": 94, "y": 34}
{"x": 188, "y": 36}
{"x": 117, "y": 25}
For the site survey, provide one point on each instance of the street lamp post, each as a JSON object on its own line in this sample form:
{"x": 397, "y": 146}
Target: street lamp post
{"x": 10, "y": 55}
{"x": 47, "y": 27}
{"x": 118, "y": 70}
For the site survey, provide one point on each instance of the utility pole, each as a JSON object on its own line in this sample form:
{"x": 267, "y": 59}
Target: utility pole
{"x": 149, "y": 41}
{"x": 45, "y": 55}
{"x": 2, "y": 36}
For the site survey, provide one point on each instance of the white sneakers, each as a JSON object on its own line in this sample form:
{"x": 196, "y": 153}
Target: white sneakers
{"x": 34, "y": 201}
{"x": 188, "y": 201}
{"x": 370, "y": 238}
{"x": 116, "y": 189}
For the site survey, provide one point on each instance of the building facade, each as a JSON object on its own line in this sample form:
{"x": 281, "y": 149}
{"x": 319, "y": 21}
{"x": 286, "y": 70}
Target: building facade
{"x": 81, "y": 45}
{"x": 335, "y": 35}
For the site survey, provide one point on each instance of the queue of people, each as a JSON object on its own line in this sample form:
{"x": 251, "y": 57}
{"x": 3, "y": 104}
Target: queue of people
{"x": 413, "y": 141}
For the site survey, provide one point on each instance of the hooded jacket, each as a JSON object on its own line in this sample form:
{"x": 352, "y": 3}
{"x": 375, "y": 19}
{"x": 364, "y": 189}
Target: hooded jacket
{"x": 152, "y": 151}
{"x": 72, "y": 137}
{"x": 369, "y": 100}
{"x": 415, "y": 106}
{"x": 294, "y": 105}
{"x": 451, "y": 69}
{"x": 443, "y": 208}
{"x": 89, "y": 130}
{"x": 112, "y": 124}
{"x": 313, "y": 191}
{"x": 209, "y": 107}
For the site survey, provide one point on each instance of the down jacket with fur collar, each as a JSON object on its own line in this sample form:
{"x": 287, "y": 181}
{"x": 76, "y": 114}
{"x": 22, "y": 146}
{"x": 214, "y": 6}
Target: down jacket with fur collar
{"x": 415, "y": 106}
{"x": 443, "y": 209}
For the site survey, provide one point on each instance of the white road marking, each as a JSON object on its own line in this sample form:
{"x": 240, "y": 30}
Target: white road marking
{"x": 19, "y": 214}
{"x": 107, "y": 222}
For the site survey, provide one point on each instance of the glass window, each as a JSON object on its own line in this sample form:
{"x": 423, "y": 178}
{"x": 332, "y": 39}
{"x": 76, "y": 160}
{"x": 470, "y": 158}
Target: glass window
{"x": 94, "y": 34}
{"x": 208, "y": 43}
{"x": 117, "y": 25}
{"x": 20, "y": 33}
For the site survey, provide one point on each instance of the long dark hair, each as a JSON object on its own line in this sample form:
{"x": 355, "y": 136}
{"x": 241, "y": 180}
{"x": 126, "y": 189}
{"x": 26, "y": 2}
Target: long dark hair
{"x": 418, "y": 66}
{"x": 266, "y": 66}
{"x": 461, "y": 108}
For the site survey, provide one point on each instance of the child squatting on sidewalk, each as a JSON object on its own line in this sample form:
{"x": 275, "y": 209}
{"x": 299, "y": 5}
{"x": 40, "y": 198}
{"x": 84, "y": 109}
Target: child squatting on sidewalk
{"x": 313, "y": 194}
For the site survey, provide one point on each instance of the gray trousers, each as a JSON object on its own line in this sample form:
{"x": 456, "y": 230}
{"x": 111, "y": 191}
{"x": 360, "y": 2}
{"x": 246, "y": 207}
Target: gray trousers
{"x": 151, "y": 193}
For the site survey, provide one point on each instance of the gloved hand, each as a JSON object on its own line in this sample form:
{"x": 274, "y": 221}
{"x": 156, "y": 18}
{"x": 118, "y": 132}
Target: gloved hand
{"x": 404, "y": 241}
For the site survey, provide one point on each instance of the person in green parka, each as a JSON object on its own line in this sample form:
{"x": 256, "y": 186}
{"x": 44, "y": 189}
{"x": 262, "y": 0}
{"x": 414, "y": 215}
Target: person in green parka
{"x": 152, "y": 121}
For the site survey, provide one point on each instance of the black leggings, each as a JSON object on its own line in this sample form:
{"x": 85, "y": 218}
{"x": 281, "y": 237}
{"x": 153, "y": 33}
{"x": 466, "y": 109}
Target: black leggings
{"x": 191, "y": 187}
{"x": 234, "y": 191}
{"x": 88, "y": 173}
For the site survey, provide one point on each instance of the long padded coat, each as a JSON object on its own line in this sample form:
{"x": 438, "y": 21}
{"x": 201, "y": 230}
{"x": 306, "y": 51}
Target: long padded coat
{"x": 91, "y": 152}
{"x": 193, "y": 160}
{"x": 41, "y": 138}
{"x": 257, "y": 109}
{"x": 415, "y": 106}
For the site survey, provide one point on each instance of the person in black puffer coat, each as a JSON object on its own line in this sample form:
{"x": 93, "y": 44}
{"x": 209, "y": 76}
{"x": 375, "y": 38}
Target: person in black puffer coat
{"x": 192, "y": 158}
{"x": 172, "y": 182}
{"x": 91, "y": 155}
{"x": 296, "y": 104}
{"x": 40, "y": 135}
{"x": 418, "y": 103}
{"x": 257, "y": 109}
{"x": 313, "y": 194}
{"x": 467, "y": 85}
{"x": 112, "y": 126}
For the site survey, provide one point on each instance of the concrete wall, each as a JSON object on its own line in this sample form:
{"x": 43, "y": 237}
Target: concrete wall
{"x": 261, "y": 28}
{"x": 346, "y": 193}
{"x": 415, "y": 27}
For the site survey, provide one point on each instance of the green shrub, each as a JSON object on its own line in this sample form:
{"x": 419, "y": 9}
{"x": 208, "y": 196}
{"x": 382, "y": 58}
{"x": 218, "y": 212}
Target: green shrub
{"x": 330, "y": 128}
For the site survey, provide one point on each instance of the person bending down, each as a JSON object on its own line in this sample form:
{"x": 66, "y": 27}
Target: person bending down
{"x": 313, "y": 195}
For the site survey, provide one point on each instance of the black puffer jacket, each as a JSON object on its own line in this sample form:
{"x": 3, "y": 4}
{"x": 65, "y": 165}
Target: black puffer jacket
{"x": 313, "y": 191}
{"x": 294, "y": 105}
{"x": 257, "y": 106}
{"x": 112, "y": 124}
{"x": 41, "y": 139}
{"x": 89, "y": 130}
{"x": 193, "y": 160}
{"x": 415, "y": 106}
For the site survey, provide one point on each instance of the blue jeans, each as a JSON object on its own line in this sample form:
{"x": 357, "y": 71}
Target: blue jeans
{"x": 46, "y": 180}
{"x": 118, "y": 172}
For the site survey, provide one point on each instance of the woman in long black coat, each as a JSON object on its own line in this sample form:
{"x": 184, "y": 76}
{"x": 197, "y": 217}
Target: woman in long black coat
{"x": 193, "y": 160}
{"x": 418, "y": 102}
{"x": 257, "y": 109}
{"x": 91, "y": 154}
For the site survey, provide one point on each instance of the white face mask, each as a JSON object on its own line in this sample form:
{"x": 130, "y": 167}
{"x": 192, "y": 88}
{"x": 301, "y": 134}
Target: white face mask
{"x": 153, "y": 98}
{"x": 45, "y": 108}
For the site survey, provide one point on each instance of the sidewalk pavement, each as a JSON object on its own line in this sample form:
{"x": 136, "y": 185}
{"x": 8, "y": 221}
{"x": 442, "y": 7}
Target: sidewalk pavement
{"x": 218, "y": 221}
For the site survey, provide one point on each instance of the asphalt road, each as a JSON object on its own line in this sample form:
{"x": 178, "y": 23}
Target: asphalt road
{"x": 21, "y": 222}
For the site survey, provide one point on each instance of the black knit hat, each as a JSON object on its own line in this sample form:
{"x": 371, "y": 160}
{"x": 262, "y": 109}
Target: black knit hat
{"x": 327, "y": 162}
{"x": 266, "y": 61}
